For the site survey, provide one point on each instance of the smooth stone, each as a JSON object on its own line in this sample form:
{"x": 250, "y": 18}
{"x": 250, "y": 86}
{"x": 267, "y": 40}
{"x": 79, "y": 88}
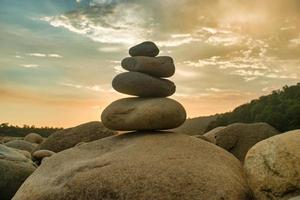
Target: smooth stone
{"x": 21, "y": 144}
{"x": 14, "y": 169}
{"x": 238, "y": 138}
{"x": 143, "y": 114}
{"x": 42, "y": 154}
{"x": 144, "y": 49}
{"x": 34, "y": 138}
{"x": 273, "y": 167}
{"x": 139, "y": 166}
{"x": 68, "y": 138}
{"x": 162, "y": 66}
{"x": 143, "y": 85}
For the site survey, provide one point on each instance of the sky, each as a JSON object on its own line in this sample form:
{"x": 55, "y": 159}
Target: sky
{"x": 58, "y": 57}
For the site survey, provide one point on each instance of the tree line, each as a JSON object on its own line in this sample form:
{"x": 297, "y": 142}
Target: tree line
{"x": 281, "y": 109}
{"x": 10, "y": 130}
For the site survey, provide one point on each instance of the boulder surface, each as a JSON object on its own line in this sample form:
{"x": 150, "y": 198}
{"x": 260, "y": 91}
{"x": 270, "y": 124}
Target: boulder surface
{"x": 34, "y": 138}
{"x": 143, "y": 166}
{"x": 21, "y": 145}
{"x": 238, "y": 138}
{"x": 14, "y": 169}
{"x": 69, "y": 137}
{"x": 273, "y": 167}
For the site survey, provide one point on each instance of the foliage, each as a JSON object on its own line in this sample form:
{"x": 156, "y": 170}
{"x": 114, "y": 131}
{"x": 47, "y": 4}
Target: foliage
{"x": 281, "y": 109}
{"x": 9, "y": 130}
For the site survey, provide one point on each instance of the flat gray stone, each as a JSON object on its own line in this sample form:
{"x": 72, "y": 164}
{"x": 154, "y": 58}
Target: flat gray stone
{"x": 143, "y": 85}
{"x": 144, "y": 49}
{"x": 162, "y": 66}
{"x": 135, "y": 113}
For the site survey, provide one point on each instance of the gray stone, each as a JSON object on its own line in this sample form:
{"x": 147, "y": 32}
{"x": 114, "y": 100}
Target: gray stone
{"x": 14, "y": 169}
{"x": 162, "y": 66}
{"x": 139, "y": 166}
{"x": 69, "y": 137}
{"x": 273, "y": 167}
{"x": 144, "y": 49}
{"x": 143, "y": 114}
{"x": 143, "y": 85}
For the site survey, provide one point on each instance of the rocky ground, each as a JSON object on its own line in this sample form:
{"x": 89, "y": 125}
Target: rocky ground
{"x": 90, "y": 161}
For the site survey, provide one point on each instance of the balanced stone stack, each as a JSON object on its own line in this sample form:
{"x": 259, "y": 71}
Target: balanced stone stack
{"x": 150, "y": 110}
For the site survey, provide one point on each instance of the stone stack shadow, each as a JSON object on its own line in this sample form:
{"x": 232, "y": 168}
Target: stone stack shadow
{"x": 145, "y": 79}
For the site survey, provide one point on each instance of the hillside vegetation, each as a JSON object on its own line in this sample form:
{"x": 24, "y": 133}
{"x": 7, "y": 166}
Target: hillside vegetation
{"x": 17, "y": 131}
{"x": 281, "y": 109}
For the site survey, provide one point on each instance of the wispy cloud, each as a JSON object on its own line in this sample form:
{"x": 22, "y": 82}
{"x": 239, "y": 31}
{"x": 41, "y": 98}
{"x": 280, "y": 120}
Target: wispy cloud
{"x": 29, "y": 65}
{"x": 37, "y": 54}
{"x": 120, "y": 23}
{"x": 54, "y": 55}
{"x": 96, "y": 88}
{"x": 42, "y": 55}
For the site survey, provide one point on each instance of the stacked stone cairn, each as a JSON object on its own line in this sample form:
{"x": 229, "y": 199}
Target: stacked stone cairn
{"x": 150, "y": 109}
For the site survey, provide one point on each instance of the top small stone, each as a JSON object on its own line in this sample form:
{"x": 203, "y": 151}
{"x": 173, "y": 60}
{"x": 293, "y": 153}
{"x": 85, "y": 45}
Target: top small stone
{"x": 144, "y": 49}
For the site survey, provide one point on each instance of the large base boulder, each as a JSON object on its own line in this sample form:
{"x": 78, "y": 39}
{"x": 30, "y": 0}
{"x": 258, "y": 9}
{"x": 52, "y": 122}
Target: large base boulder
{"x": 238, "y": 138}
{"x": 69, "y": 137}
{"x": 273, "y": 167}
{"x": 14, "y": 169}
{"x": 141, "y": 166}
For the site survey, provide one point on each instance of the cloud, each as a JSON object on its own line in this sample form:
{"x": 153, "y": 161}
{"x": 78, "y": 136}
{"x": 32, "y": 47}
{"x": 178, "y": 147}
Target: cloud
{"x": 108, "y": 23}
{"x": 29, "y": 65}
{"x": 37, "y": 54}
{"x": 54, "y": 55}
{"x": 96, "y": 88}
{"x": 42, "y": 55}
{"x": 109, "y": 49}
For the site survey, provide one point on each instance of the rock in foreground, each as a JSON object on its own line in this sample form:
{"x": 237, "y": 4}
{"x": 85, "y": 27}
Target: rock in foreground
{"x": 273, "y": 167}
{"x": 68, "y": 138}
{"x": 139, "y": 166}
{"x": 131, "y": 114}
{"x": 14, "y": 169}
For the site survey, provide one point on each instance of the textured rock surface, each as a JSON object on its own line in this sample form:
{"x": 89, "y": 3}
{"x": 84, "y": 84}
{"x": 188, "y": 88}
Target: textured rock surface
{"x": 14, "y": 169}
{"x": 144, "y": 49}
{"x": 139, "y": 166}
{"x": 211, "y": 135}
{"x": 68, "y": 138}
{"x": 203, "y": 138}
{"x": 34, "y": 138}
{"x": 21, "y": 144}
{"x": 143, "y": 114}
{"x": 143, "y": 85}
{"x": 238, "y": 138}
{"x": 162, "y": 66}
{"x": 273, "y": 167}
